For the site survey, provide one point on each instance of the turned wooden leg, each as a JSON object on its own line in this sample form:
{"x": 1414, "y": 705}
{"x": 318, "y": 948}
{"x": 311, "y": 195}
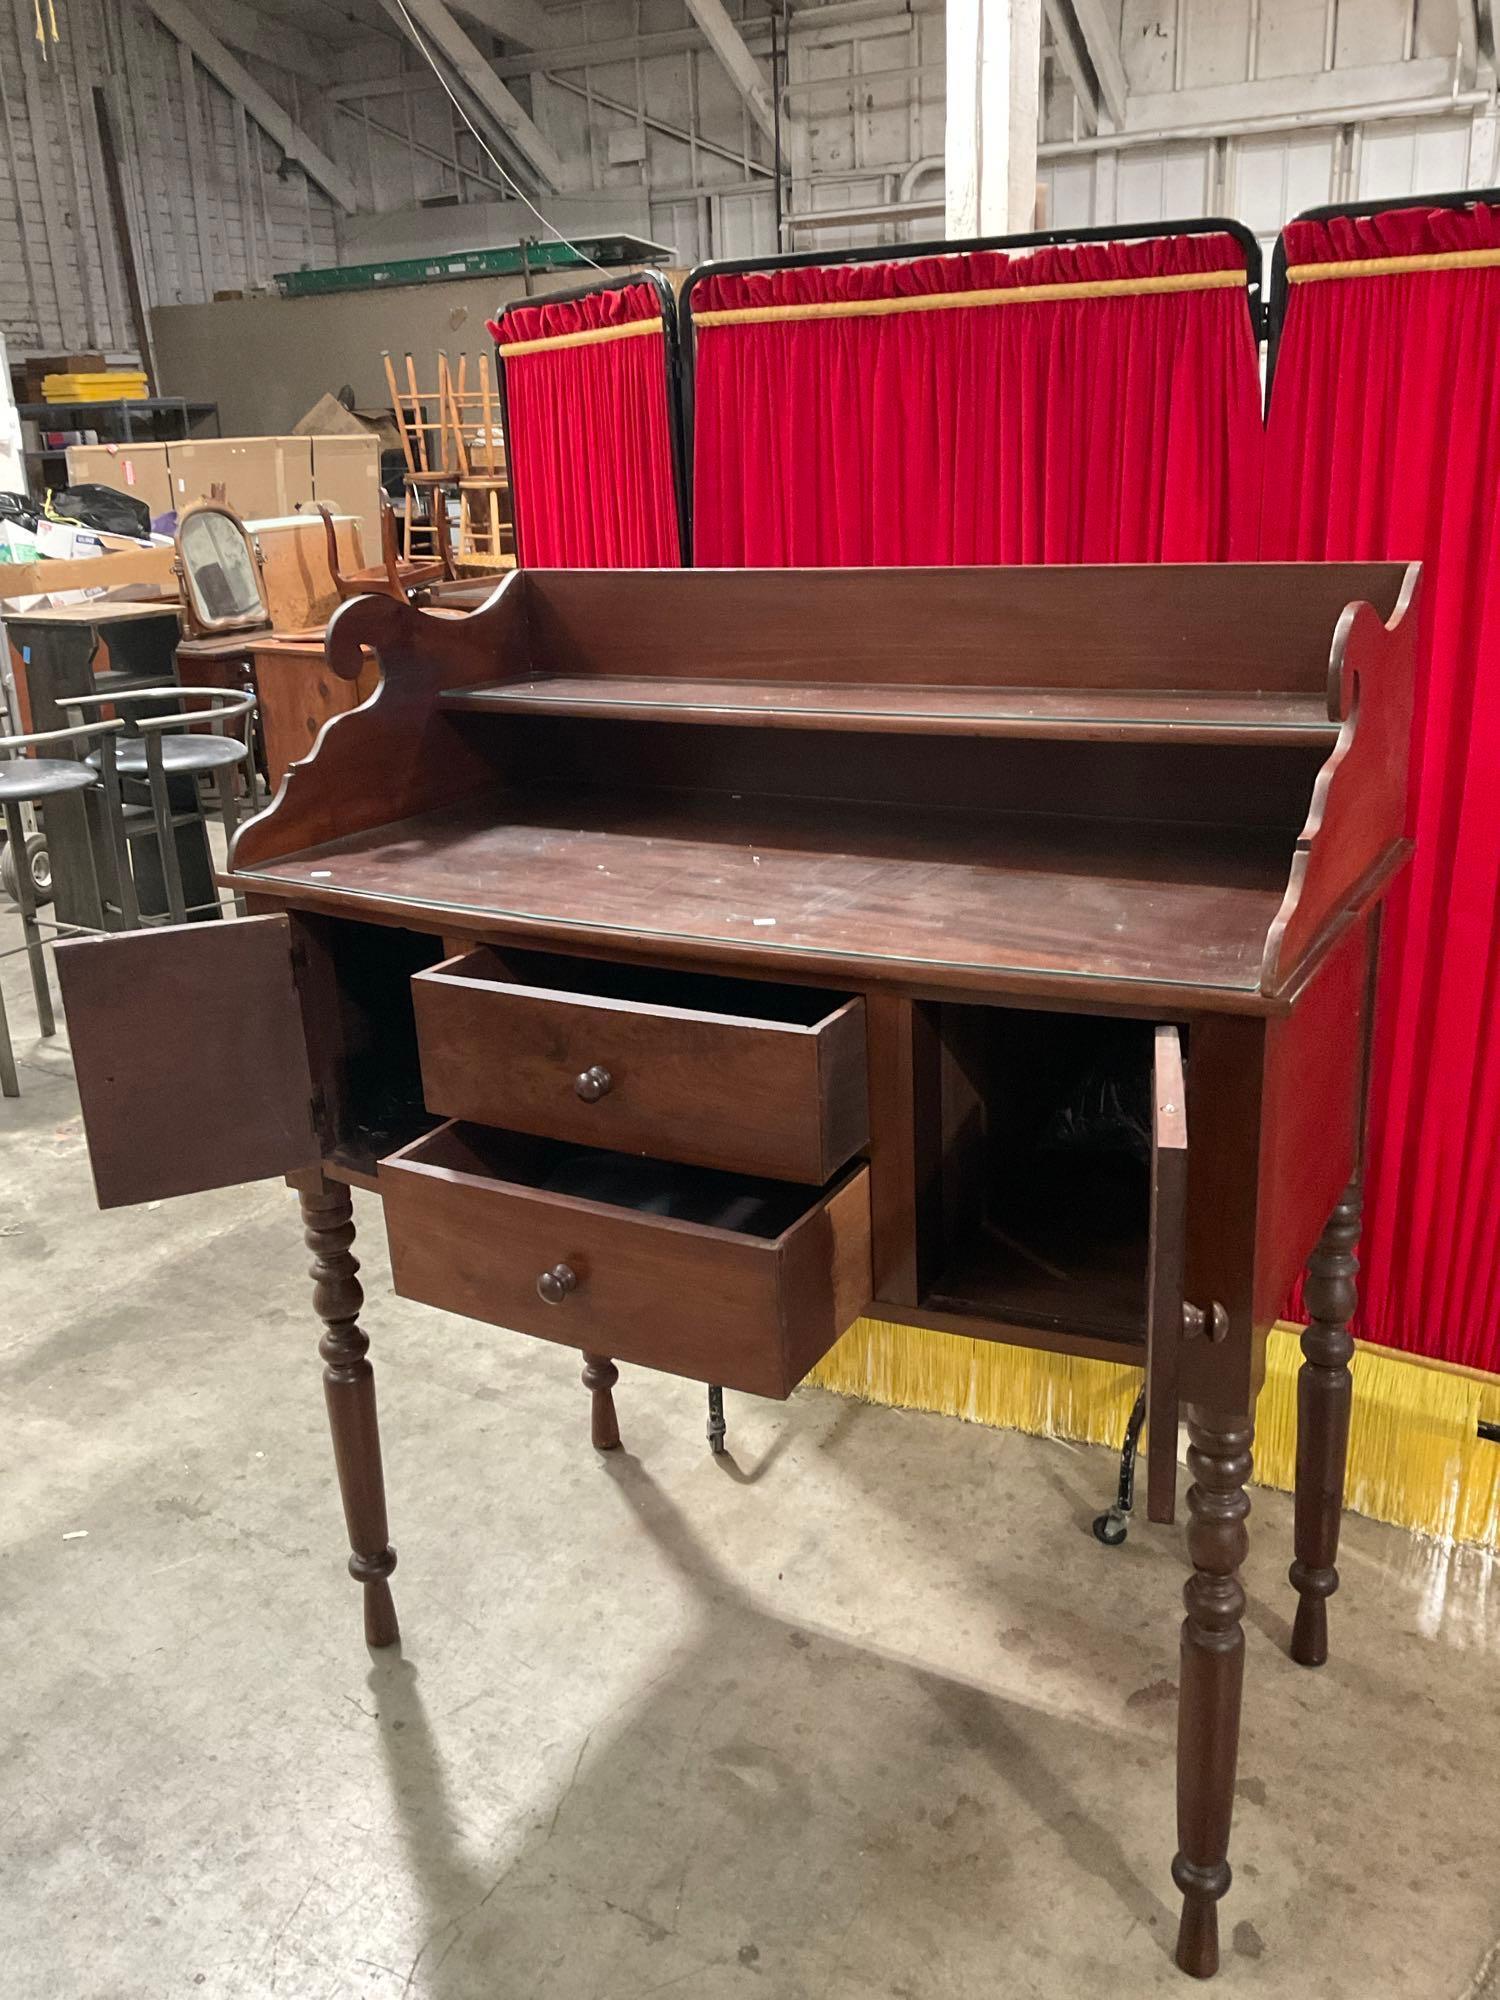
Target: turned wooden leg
{"x": 599, "y": 1378}
{"x": 1213, "y": 1660}
{"x": 1323, "y": 1397}
{"x": 349, "y": 1385}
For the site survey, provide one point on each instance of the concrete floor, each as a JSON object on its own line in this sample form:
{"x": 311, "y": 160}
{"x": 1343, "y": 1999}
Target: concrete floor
{"x": 862, "y": 1711}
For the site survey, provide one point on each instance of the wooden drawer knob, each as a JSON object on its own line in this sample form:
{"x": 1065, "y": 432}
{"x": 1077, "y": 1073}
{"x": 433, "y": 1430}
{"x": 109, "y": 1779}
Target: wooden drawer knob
{"x": 595, "y": 1082}
{"x": 555, "y": 1285}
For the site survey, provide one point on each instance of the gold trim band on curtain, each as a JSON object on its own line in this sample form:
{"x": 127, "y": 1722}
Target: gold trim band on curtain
{"x": 589, "y": 336}
{"x": 999, "y": 295}
{"x": 1386, "y": 267}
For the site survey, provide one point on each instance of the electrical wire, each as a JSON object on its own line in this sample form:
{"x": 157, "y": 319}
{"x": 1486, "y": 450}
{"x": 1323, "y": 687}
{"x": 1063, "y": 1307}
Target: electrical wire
{"x": 485, "y": 147}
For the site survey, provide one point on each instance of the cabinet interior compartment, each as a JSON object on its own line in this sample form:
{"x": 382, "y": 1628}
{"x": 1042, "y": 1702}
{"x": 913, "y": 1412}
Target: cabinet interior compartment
{"x": 742, "y": 1203}
{"x": 1043, "y": 1167}
{"x": 652, "y": 986}
{"x": 355, "y": 979}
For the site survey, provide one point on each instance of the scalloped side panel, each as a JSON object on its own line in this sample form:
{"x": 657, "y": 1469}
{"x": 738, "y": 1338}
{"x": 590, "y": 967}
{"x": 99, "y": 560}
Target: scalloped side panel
{"x": 1358, "y": 808}
{"x": 396, "y": 754}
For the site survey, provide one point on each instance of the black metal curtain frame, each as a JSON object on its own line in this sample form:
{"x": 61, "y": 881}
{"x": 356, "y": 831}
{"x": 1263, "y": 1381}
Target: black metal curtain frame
{"x": 681, "y": 491}
{"x": 905, "y": 253}
{"x": 1280, "y": 290}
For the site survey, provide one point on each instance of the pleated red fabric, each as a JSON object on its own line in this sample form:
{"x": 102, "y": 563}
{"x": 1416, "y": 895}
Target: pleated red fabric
{"x": 1384, "y": 441}
{"x": 591, "y": 467}
{"x": 1121, "y": 429}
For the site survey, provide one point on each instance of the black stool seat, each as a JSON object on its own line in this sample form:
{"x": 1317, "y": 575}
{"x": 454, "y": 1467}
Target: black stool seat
{"x": 178, "y": 753}
{"x": 23, "y": 779}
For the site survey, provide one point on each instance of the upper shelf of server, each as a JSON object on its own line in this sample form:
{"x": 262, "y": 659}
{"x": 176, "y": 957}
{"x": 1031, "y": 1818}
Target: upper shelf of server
{"x": 1151, "y": 715}
{"x": 1172, "y": 780}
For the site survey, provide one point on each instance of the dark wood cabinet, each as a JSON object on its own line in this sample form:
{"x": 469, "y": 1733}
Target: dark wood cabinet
{"x": 694, "y": 960}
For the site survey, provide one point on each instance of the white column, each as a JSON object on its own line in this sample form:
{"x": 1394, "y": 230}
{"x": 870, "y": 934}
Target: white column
{"x": 994, "y": 66}
{"x": 12, "y": 462}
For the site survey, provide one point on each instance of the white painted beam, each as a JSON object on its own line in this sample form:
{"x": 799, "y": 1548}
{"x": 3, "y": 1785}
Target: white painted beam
{"x": 1468, "y": 43}
{"x": 430, "y": 20}
{"x": 1101, "y": 44}
{"x": 250, "y": 33}
{"x": 1107, "y": 144}
{"x": 1330, "y": 91}
{"x": 1070, "y": 53}
{"x": 522, "y": 21}
{"x": 12, "y": 451}
{"x": 663, "y": 125}
{"x": 815, "y": 27}
{"x": 225, "y": 69}
{"x": 994, "y": 66}
{"x": 728, "y": 44}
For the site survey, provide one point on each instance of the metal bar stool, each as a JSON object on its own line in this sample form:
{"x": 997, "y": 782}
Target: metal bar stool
{"x": 27, "y": 780}
{"x": 159, "y": 748}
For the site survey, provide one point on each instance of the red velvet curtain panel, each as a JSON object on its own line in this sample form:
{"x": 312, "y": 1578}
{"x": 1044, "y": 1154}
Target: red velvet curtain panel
{"x": 1384, "y": 441}
{"x": 1070, "y": 429}
{"x": 591, "y": 466}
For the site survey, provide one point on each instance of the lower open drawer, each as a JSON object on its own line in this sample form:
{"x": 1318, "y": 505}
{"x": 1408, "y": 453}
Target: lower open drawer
{"x": 714, "y": 1276}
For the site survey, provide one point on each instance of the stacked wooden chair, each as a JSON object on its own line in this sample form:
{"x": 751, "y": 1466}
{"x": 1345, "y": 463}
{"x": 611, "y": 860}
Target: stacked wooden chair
{"x": 476, "y": 440}
{"x": 430, "y": 472}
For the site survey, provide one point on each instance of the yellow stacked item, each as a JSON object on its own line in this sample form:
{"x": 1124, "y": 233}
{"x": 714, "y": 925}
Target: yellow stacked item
{"x": 111, "y": 385}
{"x": 1417, "y": 1455}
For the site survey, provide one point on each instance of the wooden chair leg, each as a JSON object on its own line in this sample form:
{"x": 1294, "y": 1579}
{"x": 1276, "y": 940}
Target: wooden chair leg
{"x": 349, "y": 1386}
{"x": 599, "y": 1378}
{"x": 1213, "y": 1659}
{"x": 1324, "y": 1389}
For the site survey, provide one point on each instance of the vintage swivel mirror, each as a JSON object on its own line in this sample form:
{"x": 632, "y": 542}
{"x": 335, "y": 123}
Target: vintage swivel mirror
{"x": 219, "y": 567}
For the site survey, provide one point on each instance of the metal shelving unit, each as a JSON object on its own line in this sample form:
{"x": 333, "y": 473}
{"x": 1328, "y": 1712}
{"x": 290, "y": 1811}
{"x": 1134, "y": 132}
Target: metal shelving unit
{"x": 142, "y": 420}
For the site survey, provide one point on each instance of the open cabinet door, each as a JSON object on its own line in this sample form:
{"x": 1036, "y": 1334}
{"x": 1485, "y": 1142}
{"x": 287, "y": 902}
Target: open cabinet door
{"x": 189, "y": 1052}
{"x": 1165, "y": 1271}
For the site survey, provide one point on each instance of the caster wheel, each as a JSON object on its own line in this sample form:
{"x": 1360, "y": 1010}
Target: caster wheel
{"x": 39, "y": 866}
{"x": 716, "y": 1446}
{"x": 1109, "y": 1529}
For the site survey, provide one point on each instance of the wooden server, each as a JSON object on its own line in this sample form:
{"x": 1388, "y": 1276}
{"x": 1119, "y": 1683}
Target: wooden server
{"x": 696, "y": 960}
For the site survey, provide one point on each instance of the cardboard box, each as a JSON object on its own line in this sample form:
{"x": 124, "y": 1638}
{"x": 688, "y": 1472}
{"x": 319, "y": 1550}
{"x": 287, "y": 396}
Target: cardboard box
{"x": 149, "y": 569}
{"x": 300, "y": 591}
{"x": 248, "y": 470}
{"x": 346, "y": 477}
{"x": 263, "y": 478}
{"x": 28, "y": 376}
{"x": 296, "y": 473}
{"x": 137, "y": 469}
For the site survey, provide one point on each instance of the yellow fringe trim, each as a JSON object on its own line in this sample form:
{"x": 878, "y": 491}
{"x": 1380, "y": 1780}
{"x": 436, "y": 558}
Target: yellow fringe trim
{"x": 590, "y": 336}
{"x": 1415, "y": 1458}
{"x": 1385, "y": 267}
{"x": 999, "y": 295}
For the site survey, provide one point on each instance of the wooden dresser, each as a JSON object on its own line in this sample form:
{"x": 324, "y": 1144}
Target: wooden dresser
{"x": 694, "y": 960}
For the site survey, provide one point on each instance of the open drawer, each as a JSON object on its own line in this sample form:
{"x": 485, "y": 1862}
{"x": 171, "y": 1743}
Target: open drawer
{"x": 744, "y": 1075}
{"x": 720, "y": 1277}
